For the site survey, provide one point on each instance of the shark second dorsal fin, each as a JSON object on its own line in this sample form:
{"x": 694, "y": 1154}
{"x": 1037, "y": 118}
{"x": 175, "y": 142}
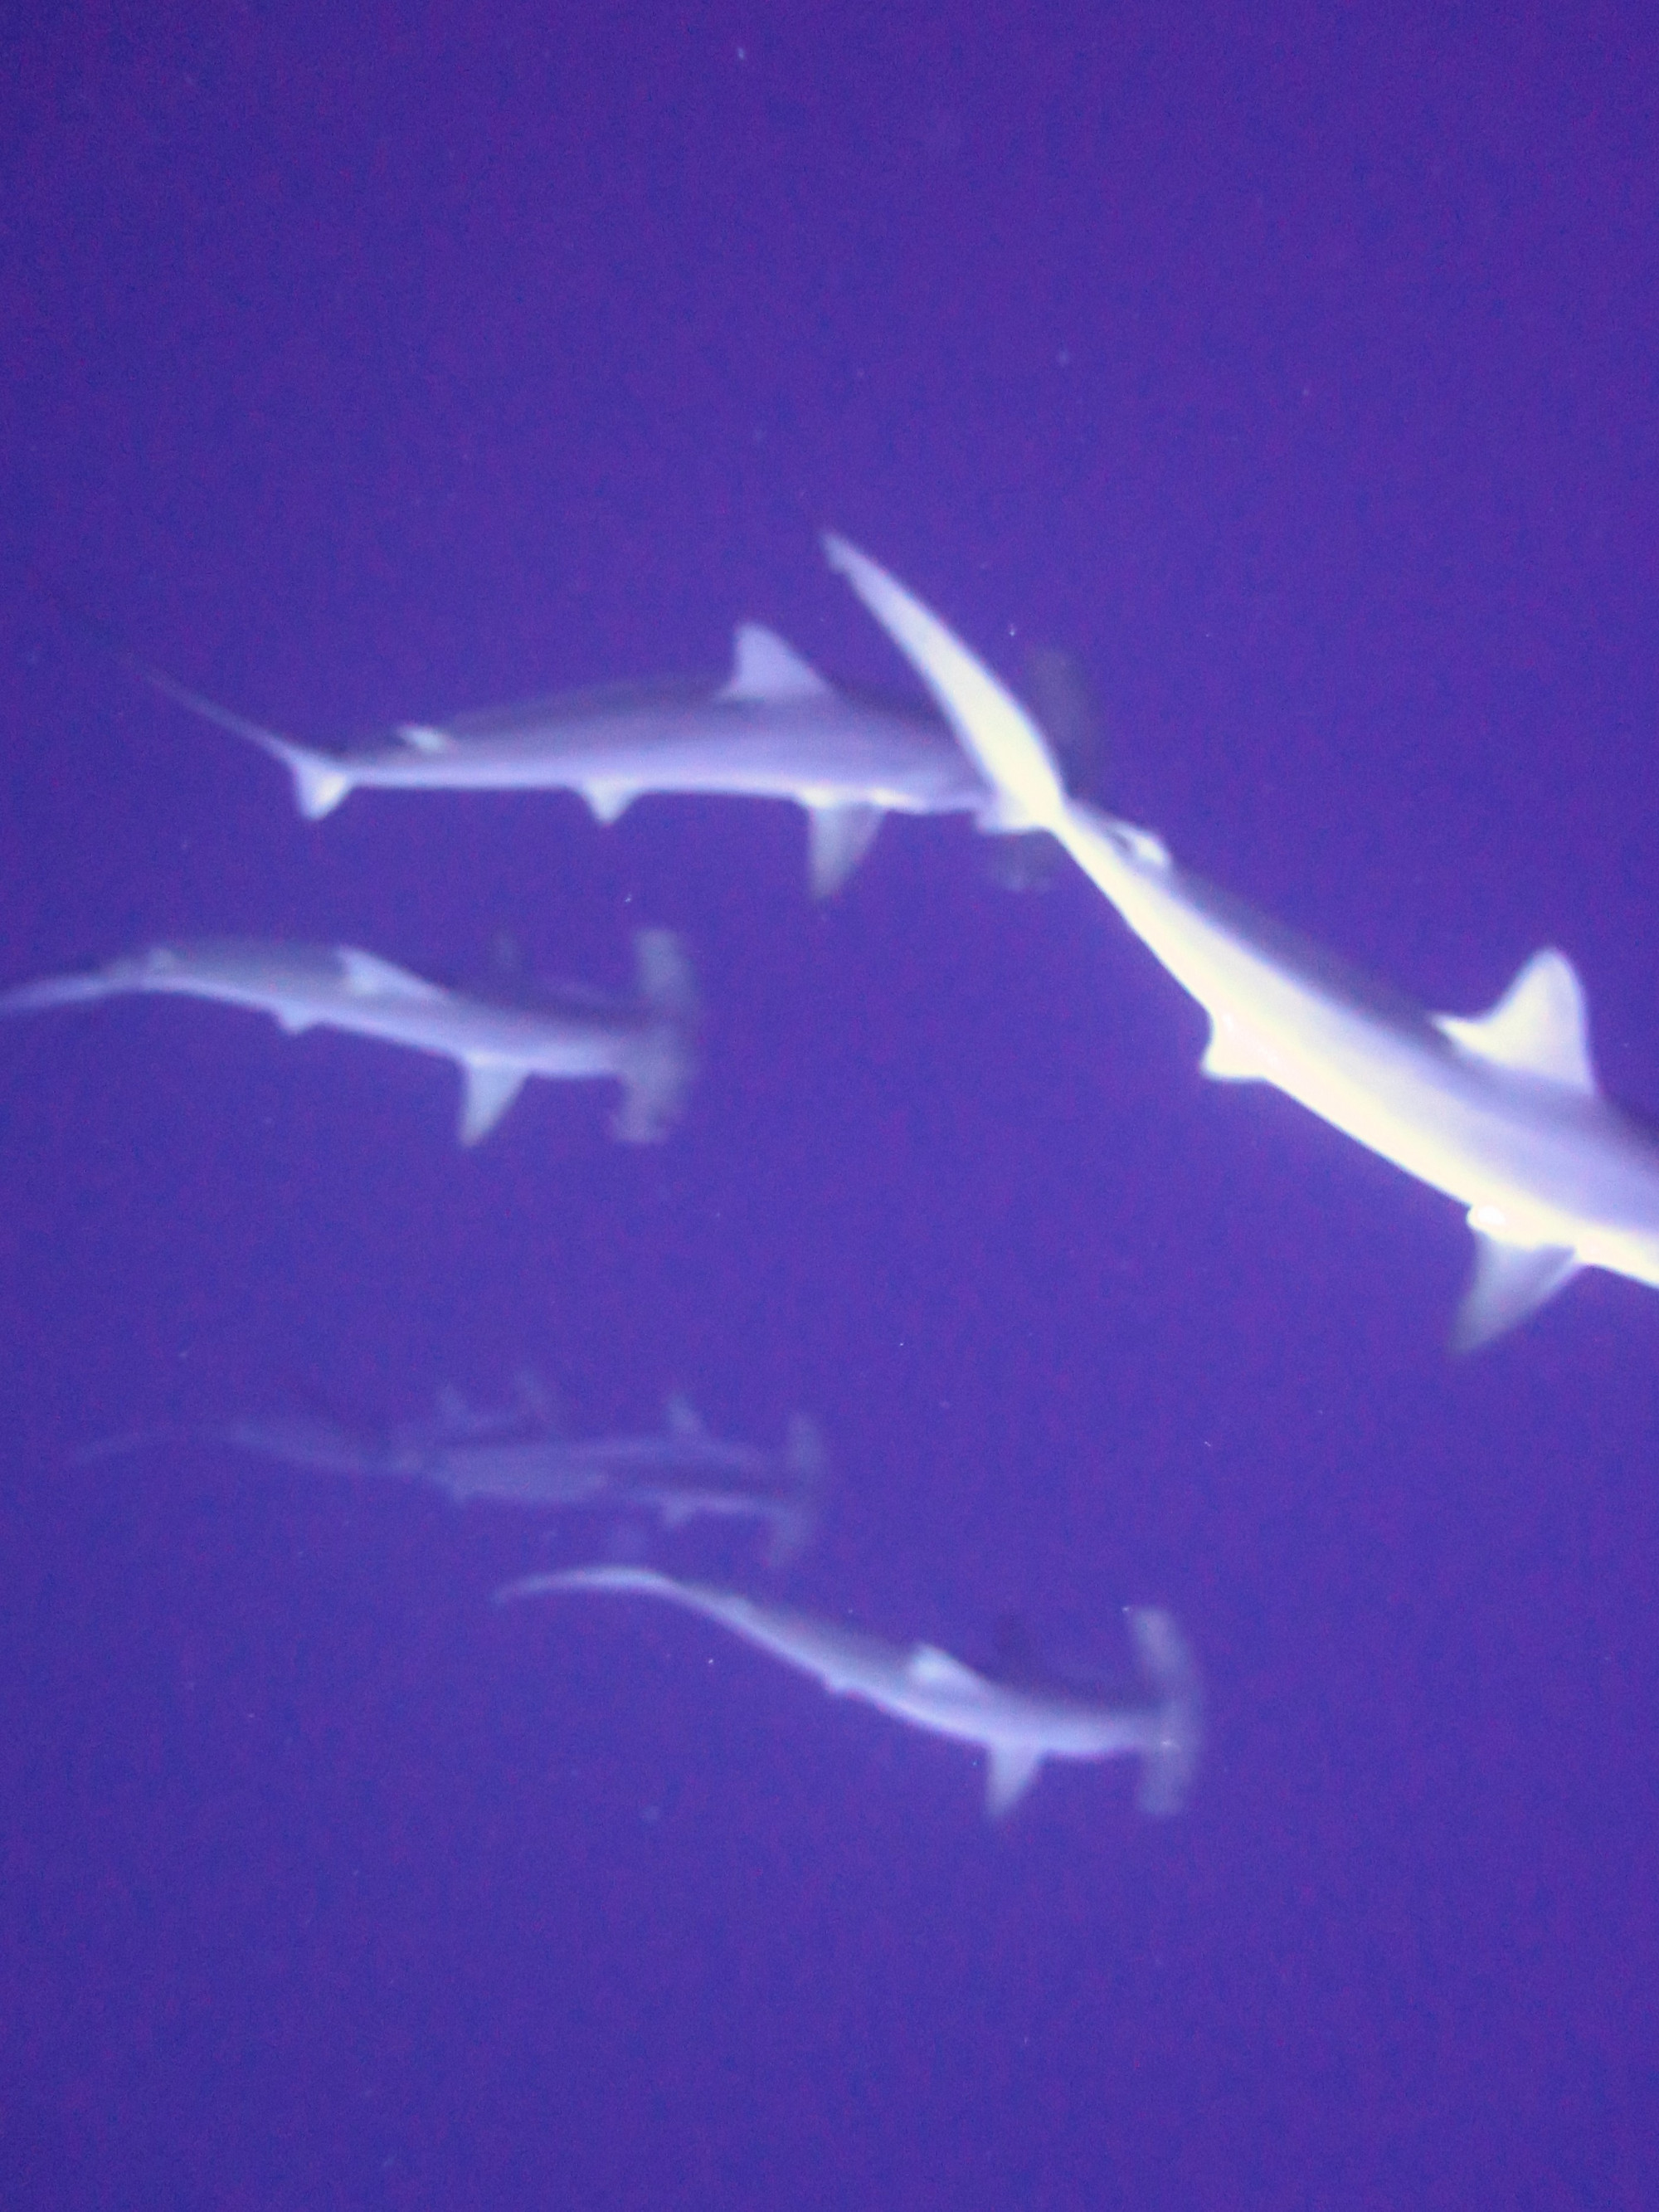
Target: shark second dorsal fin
{"x": 1011, "y": 1769}
{"x": 681, "y": 1419}
{"x": 1539, "y": 1027}
{"x": 929, "y": 1668}
{"x": 422, "y": 738}
{"x": 366, "y": 975}
{"x": 766, "y": 671}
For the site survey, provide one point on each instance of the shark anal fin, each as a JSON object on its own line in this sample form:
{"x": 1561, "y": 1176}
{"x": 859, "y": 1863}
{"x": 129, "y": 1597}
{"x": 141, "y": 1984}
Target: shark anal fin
{"x": 488, "y": 1089}
{"x": 767, "y": 672}
{"x": 1230, "y": 1056}
{"x": 837, "y": 839}
{"x": 1540, "y": 1026}
{"x": 1509, "y": 1281}
{"x": 1010, "y": 1771}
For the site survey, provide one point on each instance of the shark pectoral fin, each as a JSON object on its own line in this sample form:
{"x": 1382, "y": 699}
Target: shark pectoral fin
{"x": 767, "y": 672}
{"x": 488, "y": 1089}
{"x": 1509, "y": 1281}
{"x": 1011, "y": 1769}
{"x": 1541, "y": 1026}
{"x": 1230, "y": 1056}
{"x": 609, "y": 802}
{"x": 366, "y": 975}
{"x": 837, "y": 839}
{"x": 929, "y": 1668}
{"x": 293, "y": 1021}
{"x": 422, "y": 738}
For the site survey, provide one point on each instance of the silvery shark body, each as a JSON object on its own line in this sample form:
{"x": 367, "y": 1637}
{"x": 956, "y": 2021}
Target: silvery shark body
{"x": 1017, "y": 1729}
{"x": 1501, "y": 1111}
{"x": 647, "y": 1044}
{"x": 516, "y": 1456}
{"x": 774, "y": 729}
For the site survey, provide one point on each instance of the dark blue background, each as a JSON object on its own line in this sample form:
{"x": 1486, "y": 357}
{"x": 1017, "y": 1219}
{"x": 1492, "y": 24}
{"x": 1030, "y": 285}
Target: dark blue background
{"x": 1296, "y": 368}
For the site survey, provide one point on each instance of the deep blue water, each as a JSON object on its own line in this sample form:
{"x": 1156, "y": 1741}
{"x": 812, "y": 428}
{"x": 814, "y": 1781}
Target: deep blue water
{"x": 1296, "y": 373}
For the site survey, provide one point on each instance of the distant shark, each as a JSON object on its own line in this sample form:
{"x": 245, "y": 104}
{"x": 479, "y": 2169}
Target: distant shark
{"x": 517, "y": 1457}
{"x": 647, "y": 1044}
{"x": 1017, "y": 1729}
{"x": 1501, "y": 1111}
{"x": 774, "y": 729}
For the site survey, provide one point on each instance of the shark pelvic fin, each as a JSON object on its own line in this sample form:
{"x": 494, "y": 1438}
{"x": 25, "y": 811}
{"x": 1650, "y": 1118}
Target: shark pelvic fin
{"x": 1541, "y": 1025}
{"x": 767, "y": 672}
{"x": 1230, "y": 1056}
{"x": 609, "y": 802}
{"x": 1509, "y": 1281}
{"x": 837, "y": 839}
{"x": 1011, "y": 1769}
{"x": 488, "y": 1089}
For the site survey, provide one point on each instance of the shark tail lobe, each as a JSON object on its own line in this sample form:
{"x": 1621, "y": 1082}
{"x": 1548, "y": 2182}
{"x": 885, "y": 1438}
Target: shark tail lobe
{"x": 1175, "y": 1738}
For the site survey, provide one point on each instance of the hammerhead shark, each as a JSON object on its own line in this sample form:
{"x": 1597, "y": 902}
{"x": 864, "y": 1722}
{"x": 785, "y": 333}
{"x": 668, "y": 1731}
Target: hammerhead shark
{"x": 773, "y": 728}
{"x": 518, "y": 1456}
{"x": 1016, "y": 1727}
{"x": 647, "y": 1044}
{"x": 1501, "y": 1111}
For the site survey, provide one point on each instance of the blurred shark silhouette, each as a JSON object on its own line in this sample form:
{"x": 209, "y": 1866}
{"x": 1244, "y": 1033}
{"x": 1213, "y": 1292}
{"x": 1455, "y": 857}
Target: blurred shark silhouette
{"x": 1016, "y": 1727}
{"x": 1501, "y": 1111}
{"x": 647, "y": 1044}
{"x": 773, "y": 728}
{"x": 518, "y": 1456}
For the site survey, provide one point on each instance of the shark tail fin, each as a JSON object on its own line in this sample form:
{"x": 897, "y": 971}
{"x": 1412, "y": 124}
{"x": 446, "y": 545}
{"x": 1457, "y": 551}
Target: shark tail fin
{"x": 990, "y": 724}
{"x": 321, "y": 782}
{"x": 661, "y": 1068}
{"x": 1175, "y": 1724}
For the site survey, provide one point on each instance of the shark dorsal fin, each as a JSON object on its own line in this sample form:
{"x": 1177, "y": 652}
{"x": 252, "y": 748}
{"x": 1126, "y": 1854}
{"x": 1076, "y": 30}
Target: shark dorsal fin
{"x": 1010, "y": 1771}
{"x": 422, "y": 738}
{"x": 930, "y": 1669}
{"x": 366, "y": 975}
{"x": 488, "y": 1089}
{"x": 1539, "y": 1027}
{"x": 681, "y": 1418}
{"x": 765, "y": 670}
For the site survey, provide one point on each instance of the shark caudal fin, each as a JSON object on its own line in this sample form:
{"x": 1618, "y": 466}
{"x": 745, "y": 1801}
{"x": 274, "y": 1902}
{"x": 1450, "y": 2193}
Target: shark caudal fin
{"x": 662, "y": 1061}
{"x": 990, "y": 722}
{"x": 1175, "y": 1736}
{"x": 321, "y": 782}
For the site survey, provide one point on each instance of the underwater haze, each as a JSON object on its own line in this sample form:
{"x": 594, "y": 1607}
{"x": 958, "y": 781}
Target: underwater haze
{"x": 1294, "y": 372}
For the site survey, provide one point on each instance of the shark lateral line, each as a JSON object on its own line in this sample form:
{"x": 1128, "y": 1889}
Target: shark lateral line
{"x": 773, "y": 728}
{"x": 1501, "y": 1111}
{"x": 515, "y": 1456}
{"x": 1017, "y": 1729}
{"x": 647, "y": 1044}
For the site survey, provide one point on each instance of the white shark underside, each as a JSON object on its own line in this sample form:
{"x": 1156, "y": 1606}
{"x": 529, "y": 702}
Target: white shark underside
{"x": 1017, "y": 1729}
{"x": 774, "y": 729}
{"x": 1501, "y": 1111}
{"x": 647, "y": 1044}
